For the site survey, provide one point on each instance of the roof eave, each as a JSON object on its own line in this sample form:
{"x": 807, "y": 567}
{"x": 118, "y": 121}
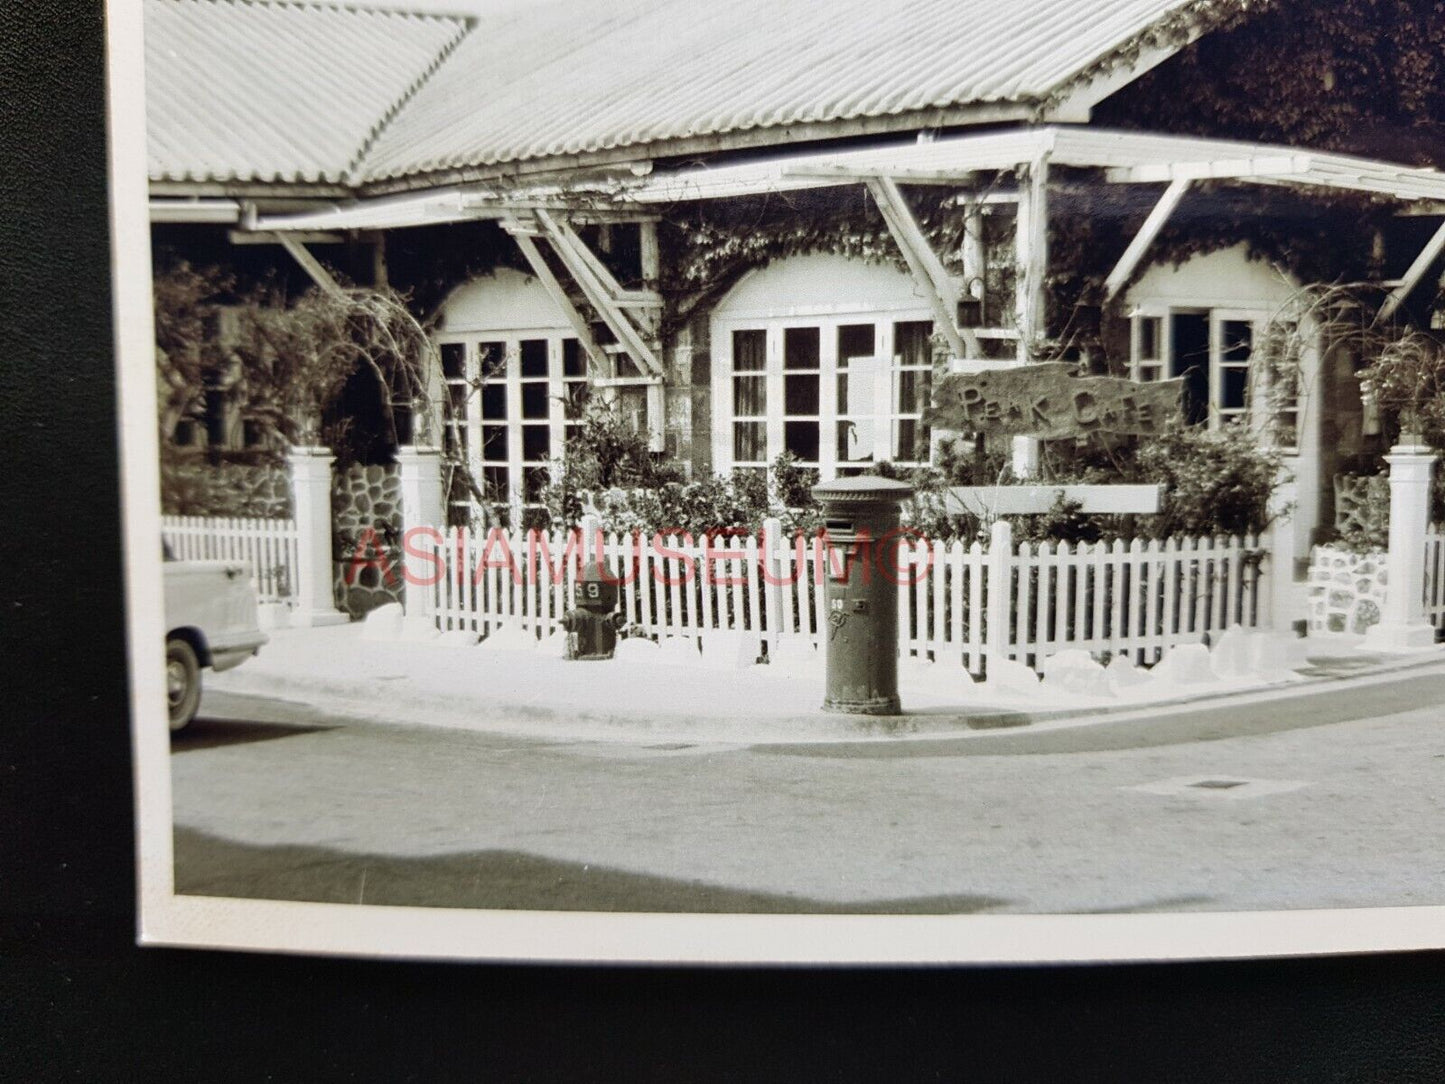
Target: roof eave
{"x": 720, "y": 143}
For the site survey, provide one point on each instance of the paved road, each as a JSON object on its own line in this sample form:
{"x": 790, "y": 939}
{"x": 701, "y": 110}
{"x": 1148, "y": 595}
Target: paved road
{"x": 1328, "y": 800}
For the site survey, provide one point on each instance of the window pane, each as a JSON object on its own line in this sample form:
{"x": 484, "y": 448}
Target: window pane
{"x": 910, "y": 441}
{"x": 1238, "y": 340}
{"x": 750, "y": 442}
{"x": 534, "y": 480}
{"x": 1233, "y": 384}
{"x": 574, "y": 360}
{"x": 750, "y": 396}
{"x": 856, "y": 341}
{"x": 492, "y": 361}
{"x": 494, "y": 442}
{"x": 536, "y": 443}
{"x": 494, "y": 483}
{"x": 534, "y": 357}
{"x": 457, "y": 397}
{"x": 1149, "y": 327}
{"x": 575, "y": 395}
{"x": 454, "y": 361}
{"x": 800, "y": 394}
{"x": 750, "y": 351}
{"x": 855, "y": 441}
{"x": 914, "y": 390}
{"x": 494, "y": 400}
{"x": 800, "y": 348}
{"x": 913, "y": 342}
{"x": 856, "y": 387}
{"x": 801, "y": 438}
{"x": 534, "y": 400}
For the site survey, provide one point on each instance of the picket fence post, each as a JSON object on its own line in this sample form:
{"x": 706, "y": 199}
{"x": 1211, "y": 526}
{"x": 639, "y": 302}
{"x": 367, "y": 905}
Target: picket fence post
{"x": 998, "y": 602}
{"x": 315, "y": 588}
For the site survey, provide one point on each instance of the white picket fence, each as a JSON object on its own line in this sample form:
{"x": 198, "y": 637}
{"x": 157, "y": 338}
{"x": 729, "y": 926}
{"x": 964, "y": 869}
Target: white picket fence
{"x": 1435, "y": 575}
{"x": 268, "y": 546}
{"x": 956, "y": 603}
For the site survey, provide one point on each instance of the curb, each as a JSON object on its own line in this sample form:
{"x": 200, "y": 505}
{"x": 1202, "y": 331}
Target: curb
{"x": 792, "y": 728}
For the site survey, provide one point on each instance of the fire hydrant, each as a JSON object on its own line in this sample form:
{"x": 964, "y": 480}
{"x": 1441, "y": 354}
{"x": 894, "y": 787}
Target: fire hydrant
{"x": 593, "y": 626}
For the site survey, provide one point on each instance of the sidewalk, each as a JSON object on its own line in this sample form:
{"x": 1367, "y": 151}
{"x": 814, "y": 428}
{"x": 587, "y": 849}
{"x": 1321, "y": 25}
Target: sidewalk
{"x": 668, "y": 693}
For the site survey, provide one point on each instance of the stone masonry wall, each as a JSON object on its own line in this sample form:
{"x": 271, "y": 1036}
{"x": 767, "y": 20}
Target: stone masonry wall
{"x": 362, "y": 498}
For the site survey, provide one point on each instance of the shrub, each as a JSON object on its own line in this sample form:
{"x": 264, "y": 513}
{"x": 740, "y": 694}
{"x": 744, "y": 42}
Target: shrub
{"x": 1216, "y": 482}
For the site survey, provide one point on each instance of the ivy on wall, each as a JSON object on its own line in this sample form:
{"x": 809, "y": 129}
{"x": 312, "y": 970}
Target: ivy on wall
{"x": 1363, "y": 76}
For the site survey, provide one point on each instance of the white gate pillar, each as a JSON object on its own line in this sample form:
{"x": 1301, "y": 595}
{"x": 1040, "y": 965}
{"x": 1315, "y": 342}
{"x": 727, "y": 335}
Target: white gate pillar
{"x": 311, "y": 507}
{"x": 1286, "y": 601}
{"x": 423, "y": 505}
{"x": 1403, "y": 626}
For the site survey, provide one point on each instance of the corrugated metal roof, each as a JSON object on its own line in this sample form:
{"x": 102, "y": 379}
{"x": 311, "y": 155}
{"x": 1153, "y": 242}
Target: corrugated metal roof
{"x": 566, "y": 78}
{"x": 238, "y": 90}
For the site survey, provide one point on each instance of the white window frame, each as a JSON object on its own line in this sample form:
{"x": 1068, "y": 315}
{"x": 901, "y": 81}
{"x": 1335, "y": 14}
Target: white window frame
{"x": 471, "y": 426}
{"x": 886, "y": 412}
{"x": 1162, "y": 367}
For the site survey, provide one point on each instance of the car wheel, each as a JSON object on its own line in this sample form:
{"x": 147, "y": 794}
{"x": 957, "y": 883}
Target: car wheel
{"x": 183, "y": 682}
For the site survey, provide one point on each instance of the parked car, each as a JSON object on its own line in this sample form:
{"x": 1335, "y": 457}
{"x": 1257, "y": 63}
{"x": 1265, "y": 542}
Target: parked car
{"x": 211, "y": 620}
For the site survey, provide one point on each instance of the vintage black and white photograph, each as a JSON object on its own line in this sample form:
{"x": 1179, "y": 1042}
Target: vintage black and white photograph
{"x": 799, "y": 480}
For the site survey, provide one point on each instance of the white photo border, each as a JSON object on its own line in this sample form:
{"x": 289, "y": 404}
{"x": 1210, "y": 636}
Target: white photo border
{"x": 165, "y": 918}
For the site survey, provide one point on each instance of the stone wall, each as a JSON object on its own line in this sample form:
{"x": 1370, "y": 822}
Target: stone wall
{"x": 362, "y": 498}
{"x": 225, "y": 489}
{"x": 1346, "y": 591}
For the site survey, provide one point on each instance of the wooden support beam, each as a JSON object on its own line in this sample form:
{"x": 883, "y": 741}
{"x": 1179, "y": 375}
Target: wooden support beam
{"x": 928, "y": 270}
{"x": 597, "y": 294}
{"x": 1031, "y": 252}
{"x": 311, "y": 266}
{"x": 1428, "y": 255}
{"x": 650, "y": 254}
{"x": 1129, "y": 262}
{"x": 559, "y": 296}
{"x": 271, "y": 237}
{"x": 842, "y": 173}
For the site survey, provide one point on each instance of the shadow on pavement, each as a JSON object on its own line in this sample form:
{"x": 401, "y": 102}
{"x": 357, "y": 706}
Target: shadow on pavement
{"x": 499, "y": 880}
{"x": 206, "y": 733}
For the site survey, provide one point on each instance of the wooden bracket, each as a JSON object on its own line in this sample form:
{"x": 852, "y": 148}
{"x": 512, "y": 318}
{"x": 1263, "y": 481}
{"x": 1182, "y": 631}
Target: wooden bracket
{"x": 1129, "y": 262}
{"x": 524, "y": 237}
{"x": 318, "y": 274}
{"x": 602, "y": 291}
{"x": 928, "y": 270}
{"x": 1428, "y": 255}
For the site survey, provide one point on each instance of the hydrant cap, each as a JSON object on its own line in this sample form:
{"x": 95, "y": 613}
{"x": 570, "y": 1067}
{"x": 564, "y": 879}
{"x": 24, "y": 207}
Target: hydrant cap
{"x": 863, "y": 489}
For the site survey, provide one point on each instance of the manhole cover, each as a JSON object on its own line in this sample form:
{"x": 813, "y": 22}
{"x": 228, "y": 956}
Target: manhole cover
{"x": 1217, "y": 787}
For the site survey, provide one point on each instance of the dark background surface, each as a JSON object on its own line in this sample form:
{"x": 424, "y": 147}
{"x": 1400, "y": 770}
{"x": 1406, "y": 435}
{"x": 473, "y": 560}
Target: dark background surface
{"x": 81, "y": 1002}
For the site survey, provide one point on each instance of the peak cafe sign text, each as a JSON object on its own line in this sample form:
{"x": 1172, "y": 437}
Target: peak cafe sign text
{"x": 1049, "y": 402}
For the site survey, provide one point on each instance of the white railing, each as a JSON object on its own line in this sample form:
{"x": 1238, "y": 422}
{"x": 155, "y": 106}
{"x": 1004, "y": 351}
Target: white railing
{"x": 1435, "y": 575}
{"x": 268, "y": 546}
{"x": 956, "y": 603}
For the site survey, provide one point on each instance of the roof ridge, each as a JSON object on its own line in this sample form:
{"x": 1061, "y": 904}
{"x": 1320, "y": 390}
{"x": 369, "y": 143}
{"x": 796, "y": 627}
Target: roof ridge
{"x": 468, "y": 19}
{"x": 466, "y": 27}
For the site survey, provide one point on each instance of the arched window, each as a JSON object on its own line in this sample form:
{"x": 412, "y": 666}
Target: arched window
{"x": 825, "y": 357}
{"x": 517, "y": 384}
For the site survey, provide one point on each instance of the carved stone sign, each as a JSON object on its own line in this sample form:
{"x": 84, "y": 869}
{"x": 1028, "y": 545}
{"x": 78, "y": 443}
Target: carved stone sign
{"x": 1049, "y": 402}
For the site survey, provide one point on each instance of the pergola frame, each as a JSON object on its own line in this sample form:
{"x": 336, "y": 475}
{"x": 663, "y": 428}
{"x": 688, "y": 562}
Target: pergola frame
{"x": 548, "y": 209}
